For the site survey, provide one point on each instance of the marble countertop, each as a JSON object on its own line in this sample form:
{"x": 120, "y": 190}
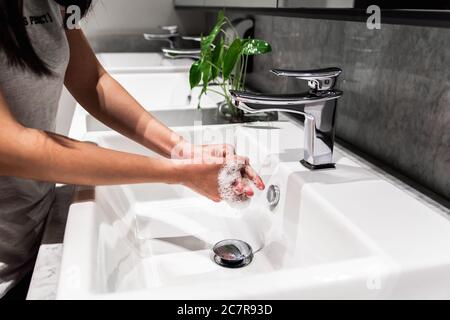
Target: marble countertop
{"x": 46, "y": 271}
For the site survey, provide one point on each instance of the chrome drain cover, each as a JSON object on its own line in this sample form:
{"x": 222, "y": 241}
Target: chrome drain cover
{"x": 233, "y": 253}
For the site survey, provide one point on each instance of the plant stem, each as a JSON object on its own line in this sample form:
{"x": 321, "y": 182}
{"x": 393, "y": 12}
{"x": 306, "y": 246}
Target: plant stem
{"x": 242, "y": 73}
{"x": 217, "y": 92}
{"x": 232, "y": 27}
{"x": 237, "y": 74}
{"x": 245, "y": 72}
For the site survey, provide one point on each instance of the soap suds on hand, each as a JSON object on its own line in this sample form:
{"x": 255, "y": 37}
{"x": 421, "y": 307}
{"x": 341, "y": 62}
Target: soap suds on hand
{"x": 228, "y": 175}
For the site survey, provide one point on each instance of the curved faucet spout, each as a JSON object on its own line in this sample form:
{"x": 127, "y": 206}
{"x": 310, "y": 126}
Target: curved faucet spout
{"x": 295, "y": 103}
{"x": 319, "y": 109}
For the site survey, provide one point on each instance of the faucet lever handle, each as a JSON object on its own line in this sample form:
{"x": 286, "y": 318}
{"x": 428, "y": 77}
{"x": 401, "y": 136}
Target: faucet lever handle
{"x": 318, "y": 79}
{"x": 192, "y": 38}
{"x": 181, "y": 51}
{"x": 173, "y": 29}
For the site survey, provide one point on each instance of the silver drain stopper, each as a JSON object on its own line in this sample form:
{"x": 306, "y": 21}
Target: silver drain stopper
{"x": 233, "y": 253}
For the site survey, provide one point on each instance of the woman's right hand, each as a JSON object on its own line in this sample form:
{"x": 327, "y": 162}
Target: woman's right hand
{"x": 204, "y": 177}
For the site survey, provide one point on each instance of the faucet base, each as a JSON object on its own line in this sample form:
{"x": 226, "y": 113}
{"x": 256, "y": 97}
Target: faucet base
{"x": 318, "y": 167}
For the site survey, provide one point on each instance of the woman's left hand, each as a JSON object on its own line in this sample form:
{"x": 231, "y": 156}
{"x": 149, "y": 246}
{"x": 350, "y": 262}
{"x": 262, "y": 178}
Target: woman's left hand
{"x": 203, "y": 153}
{"x": 214, "y": 151}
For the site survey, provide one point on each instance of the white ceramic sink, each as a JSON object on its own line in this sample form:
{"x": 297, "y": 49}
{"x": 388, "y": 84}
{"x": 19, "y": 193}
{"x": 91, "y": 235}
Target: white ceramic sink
{"x": 142, "y": 63}
{"x": 346, "y": 233}
{"x": 156, "y": 92}
{"x": 152, "y": 93}
{"x": 158, "y": 84}
{"x": 171, "y": 118}
{"x": 162, "y": 91}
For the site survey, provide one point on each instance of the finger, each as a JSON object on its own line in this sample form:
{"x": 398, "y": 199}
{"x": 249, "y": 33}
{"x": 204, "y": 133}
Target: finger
{"x": 243, "y": 188}
{"x": 239, "y": 160}
{"x": 228, "y": 150}
{"x": 214, "y": 160}
{"x": 221, "y": 150}
{"x": 238, "y": 187}
{"x": 216, "y": 199}
{"x": 238, "y": 190}
{"x": 254, "y": 177}
{"x": 248, "y": 191}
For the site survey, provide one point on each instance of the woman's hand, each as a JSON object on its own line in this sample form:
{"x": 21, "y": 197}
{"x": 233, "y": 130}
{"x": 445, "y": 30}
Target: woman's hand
{"x": 204, "y": 177}
{"x": 201, "y": 153}
{"x": 215, "y": 150}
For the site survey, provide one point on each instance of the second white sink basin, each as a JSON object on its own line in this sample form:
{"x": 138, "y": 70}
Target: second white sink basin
{"x": 142, "y": 62}
{"x": 162, "y": 91}
{"x": 156, "y": 92}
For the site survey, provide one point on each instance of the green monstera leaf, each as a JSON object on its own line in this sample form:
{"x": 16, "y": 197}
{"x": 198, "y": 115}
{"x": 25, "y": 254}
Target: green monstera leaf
{"x": 223, "y": 62}
{"x": 195, "y": 74}
{"x": 255, "y": 47}
{"x": 208, "y": 41}
{"x": 206, "y": 73}
{"x": 231, "y": 57}
{"x": 217, "y": 60}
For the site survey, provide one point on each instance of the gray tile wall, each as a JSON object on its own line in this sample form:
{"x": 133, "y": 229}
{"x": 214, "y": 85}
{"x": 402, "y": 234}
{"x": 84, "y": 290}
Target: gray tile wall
{"x": 396, "y": 83}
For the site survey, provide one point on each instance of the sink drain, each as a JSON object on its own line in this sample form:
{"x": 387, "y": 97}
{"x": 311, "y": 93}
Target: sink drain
{"x": 233, "y": 253}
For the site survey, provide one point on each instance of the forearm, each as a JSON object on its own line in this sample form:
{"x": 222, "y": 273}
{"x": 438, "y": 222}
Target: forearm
{"x": 39, "y": 155}
{"x": 103, "y": 97}
{"x": 121, "y": 112}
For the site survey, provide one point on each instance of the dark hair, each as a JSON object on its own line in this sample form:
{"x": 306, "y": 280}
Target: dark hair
{"x": 14, "y": 40}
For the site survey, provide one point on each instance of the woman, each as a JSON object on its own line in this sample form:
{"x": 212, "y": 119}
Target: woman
{"x": 37, "y": 56}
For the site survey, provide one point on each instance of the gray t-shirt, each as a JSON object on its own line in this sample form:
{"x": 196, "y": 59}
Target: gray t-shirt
{"x": 33, "y": 100}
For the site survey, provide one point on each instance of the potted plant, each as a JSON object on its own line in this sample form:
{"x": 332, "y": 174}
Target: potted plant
{"x": 223, "y": 65}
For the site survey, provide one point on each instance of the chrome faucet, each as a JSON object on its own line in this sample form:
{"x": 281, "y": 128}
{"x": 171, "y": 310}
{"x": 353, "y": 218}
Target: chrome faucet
{"x": 167, "y": 34}
{"x": 170, "y": 35}
{"x": 318, "y": 105}
{"x": 172, "y": 53}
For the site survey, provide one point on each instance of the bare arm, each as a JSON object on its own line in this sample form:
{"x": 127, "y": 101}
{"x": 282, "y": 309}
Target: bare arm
{"x": 33, "y": 154}
{"x": 103, "y": 97}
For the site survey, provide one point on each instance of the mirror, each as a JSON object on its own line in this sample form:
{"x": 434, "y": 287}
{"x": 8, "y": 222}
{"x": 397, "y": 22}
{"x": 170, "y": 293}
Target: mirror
{"x": 363, "y": 4}
{"x": 227, "y": 3}
{"x": 427, "y": 13}
{"x": 319, "y": 4}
